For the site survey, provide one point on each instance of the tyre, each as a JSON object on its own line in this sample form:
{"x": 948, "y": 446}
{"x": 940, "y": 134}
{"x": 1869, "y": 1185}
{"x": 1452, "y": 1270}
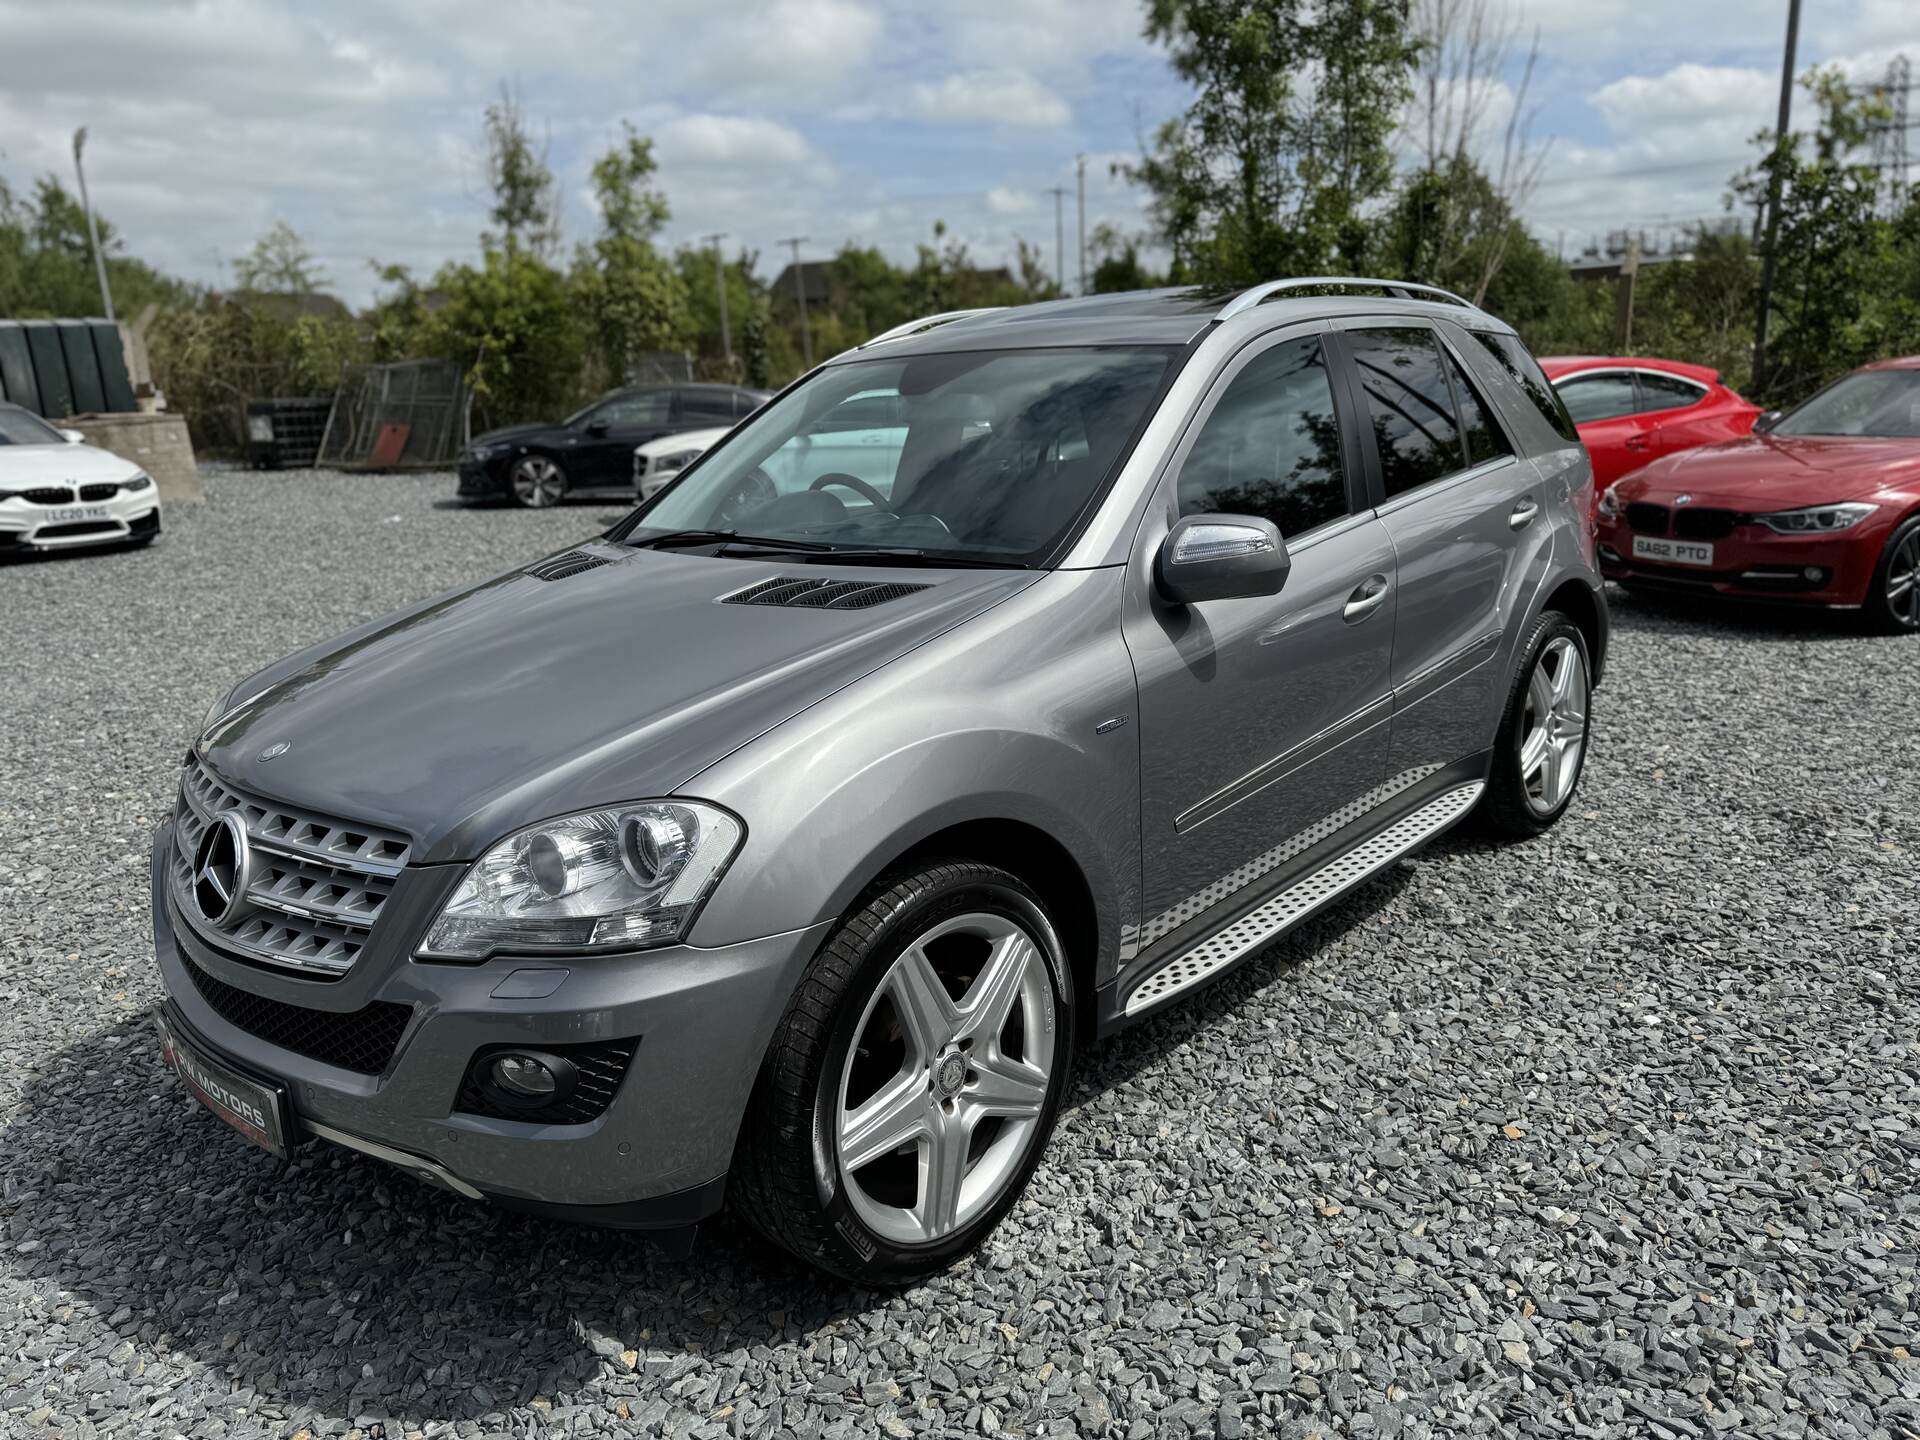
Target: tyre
{"x": 536, "y": 482}
{"x": 909, "y": 1090}
{"x": 1893, "y": 600}
{"x": 1542, "y": 745}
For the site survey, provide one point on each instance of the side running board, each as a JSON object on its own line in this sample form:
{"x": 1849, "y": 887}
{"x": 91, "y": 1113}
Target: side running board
{"x": 1290, "y": 906}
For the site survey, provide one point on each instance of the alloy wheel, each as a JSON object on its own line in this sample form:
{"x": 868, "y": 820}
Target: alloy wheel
{"x": 1903, "y": 581}
{"x": 947, "y": 1078}
{"x": 1554, "y": 727}
{"x": 537, "y": 482}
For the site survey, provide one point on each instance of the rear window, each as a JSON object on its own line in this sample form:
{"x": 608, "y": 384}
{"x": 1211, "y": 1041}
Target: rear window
{"x": 1527, "y": 374}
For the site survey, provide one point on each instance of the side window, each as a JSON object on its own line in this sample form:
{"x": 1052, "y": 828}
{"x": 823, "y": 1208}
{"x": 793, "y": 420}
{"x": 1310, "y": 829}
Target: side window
{"x": 636, "y": 411}
{"x": 1599, "y": 397}
{"x": 1409, "y": 405}
{"x": 1666, "y": 392}
{"x": 1526, "y": 371}
{"x": 1271, "y": 447}
{"x": 1484, "y": 438}
{"x": 706, "y": 407}
{"x": 745, "y": 402}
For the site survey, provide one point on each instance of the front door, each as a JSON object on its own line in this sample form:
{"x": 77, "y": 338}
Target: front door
{"x": 604, "y": 457}
{"x": 1263, "y": 721}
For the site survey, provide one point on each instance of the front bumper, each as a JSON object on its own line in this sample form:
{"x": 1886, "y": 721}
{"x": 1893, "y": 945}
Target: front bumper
{"x": 482, "y": 479}
{"x": 656, "y": 1156}
{"x": 128, "y": 515}
{"x": 1755, "y": 563}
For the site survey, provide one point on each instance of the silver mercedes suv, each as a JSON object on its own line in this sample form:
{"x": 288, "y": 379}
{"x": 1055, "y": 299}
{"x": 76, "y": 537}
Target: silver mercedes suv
{"x": 997, "y": 685}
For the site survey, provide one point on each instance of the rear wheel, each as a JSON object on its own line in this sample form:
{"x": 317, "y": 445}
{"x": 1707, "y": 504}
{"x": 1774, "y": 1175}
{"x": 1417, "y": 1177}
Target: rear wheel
{"x": 909, "y": 1091}
{"x": 1541, "y": 749}
{"x": 537, "y": 482}
{"x": 1893, "y": 604}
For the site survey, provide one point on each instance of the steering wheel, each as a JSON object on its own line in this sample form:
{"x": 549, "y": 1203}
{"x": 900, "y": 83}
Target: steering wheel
{"x": 753, "y": 492}
{"x": 855, "y": 484}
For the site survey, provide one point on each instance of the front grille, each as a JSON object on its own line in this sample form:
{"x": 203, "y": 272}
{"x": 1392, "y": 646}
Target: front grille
{"x": 98, "y": 492}
{"x": 1647, "y": 519}
{"x": 77, "y": 527}
{"x": 1704, "y": 524}
{"x": 807, "y": 593}
{"x": 49, "y": 495}
{"x": 361, "y": 1040}
{"x": 317, "y": 886}
{"x": 601, "y": 1065}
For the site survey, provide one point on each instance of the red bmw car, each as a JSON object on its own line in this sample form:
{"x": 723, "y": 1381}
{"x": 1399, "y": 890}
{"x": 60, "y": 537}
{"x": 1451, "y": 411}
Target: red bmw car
{"x": 1820, "y": 505}
{"x": 1632, "y": 411}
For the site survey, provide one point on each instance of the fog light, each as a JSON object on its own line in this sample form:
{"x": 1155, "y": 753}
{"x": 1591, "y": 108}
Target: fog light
{"x": 530, "y": 1078}
{"x": 1814, "y": 574}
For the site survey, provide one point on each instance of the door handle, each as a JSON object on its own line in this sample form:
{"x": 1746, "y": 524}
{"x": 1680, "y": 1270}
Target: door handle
{"x": 1366, "y": 598}
{"x": 1523, "y": 514}
{"x": 1637, "y": 442}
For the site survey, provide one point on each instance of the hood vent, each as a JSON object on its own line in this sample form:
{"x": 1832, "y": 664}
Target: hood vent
{"x": 797, "y": 592}
{"x": 559, "y": 567}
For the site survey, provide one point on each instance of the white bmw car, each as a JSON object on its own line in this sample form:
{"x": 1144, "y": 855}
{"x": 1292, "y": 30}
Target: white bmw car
{"x": 57, "y": 492}
{"x": 658, "y": 461}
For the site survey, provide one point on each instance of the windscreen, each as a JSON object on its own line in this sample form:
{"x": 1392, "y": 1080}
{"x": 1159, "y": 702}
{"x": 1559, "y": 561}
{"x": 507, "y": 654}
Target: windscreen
{"x": 19, "y": 427}
{"x": 1877, "y": 403}
{"x": 985, "y": 456}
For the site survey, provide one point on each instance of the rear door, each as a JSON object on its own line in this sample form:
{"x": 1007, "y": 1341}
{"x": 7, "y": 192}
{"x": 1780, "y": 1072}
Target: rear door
{"x": 633, "y": 417}
{"x": 1469, "y": 526}
{"x": 1605, "y": 405}
{"x": 1676, "y": 413}
{"x": 1263, "y": 719}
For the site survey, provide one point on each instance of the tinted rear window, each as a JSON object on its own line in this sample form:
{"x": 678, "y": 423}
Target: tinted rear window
{"x": 1526, "y": 371}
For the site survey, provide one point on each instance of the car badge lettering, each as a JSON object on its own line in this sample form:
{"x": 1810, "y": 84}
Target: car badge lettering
{"x": 279, "y": 747}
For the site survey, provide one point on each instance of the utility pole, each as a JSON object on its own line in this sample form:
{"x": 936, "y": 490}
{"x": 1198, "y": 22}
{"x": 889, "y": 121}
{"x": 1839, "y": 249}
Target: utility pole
{"x": 1780, "y": 133}
{"x": 720, "y": 286}
{"x": 1080, "y": 167}
{"x": 1059, "y": 193}
{"x": 93, "y": 226}
{"x": 800, "y": 289}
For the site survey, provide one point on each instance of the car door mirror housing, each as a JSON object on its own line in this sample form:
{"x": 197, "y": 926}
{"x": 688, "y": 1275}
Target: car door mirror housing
{"x": 1766, "y": 421}
{"x": 1221, "y": 557}
{"x": 74, "y": 437}
{"x": 597, "y": 427}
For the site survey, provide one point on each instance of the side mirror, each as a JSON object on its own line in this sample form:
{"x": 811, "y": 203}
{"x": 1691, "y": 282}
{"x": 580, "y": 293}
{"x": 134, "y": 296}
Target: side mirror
{"x": 597, "y": 427}
{"x": 1763, "y": 423}
{"x": 74, "y": 437}
{"x": 1221, "y": 557}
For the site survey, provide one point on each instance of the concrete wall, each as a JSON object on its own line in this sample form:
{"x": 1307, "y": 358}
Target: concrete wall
{"x": 158, "y": 444}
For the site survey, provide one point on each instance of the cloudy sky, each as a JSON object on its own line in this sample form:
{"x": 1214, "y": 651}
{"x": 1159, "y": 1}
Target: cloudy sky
{"x": 358, "y": 120}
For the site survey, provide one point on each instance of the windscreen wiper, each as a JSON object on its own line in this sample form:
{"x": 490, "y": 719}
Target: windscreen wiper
{"x": 903, "y": 556}
{"x": 672, "y": 539}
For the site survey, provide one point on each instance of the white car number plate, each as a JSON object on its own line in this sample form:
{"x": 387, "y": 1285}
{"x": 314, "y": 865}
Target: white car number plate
{"x": 1672, "y": 552}
{"x": 79, "y": 512}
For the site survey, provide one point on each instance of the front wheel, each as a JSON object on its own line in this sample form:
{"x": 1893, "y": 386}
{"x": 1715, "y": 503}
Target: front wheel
{"x": 909, "y": 1091}
{"x": 537, "y": 482}
{"x": 1893, "y": 605}
{"x": 1541, "y": 749}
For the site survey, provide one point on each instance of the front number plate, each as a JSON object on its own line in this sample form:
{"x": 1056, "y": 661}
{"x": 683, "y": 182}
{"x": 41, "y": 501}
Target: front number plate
{"x": 78, "y": 512}
{"x": 257, "y": 1111}
{"x": 1672, "y": 552}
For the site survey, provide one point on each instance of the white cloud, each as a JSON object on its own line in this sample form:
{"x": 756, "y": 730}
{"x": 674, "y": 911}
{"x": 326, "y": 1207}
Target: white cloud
{"x": 1005, "y": 200}
{"x": 994, "y": 97}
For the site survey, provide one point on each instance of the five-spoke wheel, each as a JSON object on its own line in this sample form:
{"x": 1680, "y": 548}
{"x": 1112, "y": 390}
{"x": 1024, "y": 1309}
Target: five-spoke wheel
{"x": 1555, "y": 725}
{"x": 537, "y": 482}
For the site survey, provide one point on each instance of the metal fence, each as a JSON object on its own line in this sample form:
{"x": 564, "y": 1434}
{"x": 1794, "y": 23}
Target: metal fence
{"x": 410, "y": 413}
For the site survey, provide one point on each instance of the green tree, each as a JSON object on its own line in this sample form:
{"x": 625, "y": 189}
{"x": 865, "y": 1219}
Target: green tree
{"x": 46, "y": 260}
{"x": 513, "y": 322}
{"x": 1268, "y": 172}
{"x": 632, "y": 299}
{"x": 279, "y": 264}
{"x": 1116, "y": 262}
{"x": 526, "y": 202}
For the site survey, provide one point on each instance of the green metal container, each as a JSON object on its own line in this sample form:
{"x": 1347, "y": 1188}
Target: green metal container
{"x": 108, "y": 349}
{"x": 83, "y": 367}
{"x": 16, "y": 367}
{"x": 49, "y": 368}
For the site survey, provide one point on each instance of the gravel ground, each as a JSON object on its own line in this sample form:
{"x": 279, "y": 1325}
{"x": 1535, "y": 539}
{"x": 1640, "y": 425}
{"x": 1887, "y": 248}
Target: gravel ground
{"x": 1610, "y": 1134}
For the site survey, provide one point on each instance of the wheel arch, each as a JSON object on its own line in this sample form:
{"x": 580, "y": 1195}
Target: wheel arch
{"x": 1587, "y": 608}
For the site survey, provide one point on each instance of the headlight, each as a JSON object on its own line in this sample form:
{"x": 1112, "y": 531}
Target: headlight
{"x": 678, "y": 460}
{"x": 141, "y": 481}
{"x": 623, "y": 878}
{"x": 1817, "y": 519}
{"x": 1609, "y": 503}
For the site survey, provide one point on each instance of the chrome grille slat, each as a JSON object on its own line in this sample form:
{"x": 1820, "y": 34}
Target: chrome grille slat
{"x": 317, "y": 887}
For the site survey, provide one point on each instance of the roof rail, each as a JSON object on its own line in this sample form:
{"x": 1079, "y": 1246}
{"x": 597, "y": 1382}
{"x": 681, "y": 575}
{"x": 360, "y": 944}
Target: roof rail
{"x": 927, "y": 322}
{"x": 1405, "y": 289}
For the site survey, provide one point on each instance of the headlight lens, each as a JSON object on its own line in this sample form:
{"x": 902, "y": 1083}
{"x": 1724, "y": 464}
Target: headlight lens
{"x": 1609, "y": 503}
{"x": 141, "y": 481}
{"x": 678, "y": 460}
{"x": 622, "y": 878}
{"x": 1817, "y": 519}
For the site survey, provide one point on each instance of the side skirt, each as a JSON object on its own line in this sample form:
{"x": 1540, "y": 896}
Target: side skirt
{"x": 1255, "y": 929}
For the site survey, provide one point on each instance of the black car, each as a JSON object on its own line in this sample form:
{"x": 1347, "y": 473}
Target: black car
{"x": 591, "y": 453}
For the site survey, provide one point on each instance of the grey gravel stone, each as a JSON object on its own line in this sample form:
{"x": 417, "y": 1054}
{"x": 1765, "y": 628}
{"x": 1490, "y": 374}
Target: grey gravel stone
{"x": 1610, "y": 1134}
